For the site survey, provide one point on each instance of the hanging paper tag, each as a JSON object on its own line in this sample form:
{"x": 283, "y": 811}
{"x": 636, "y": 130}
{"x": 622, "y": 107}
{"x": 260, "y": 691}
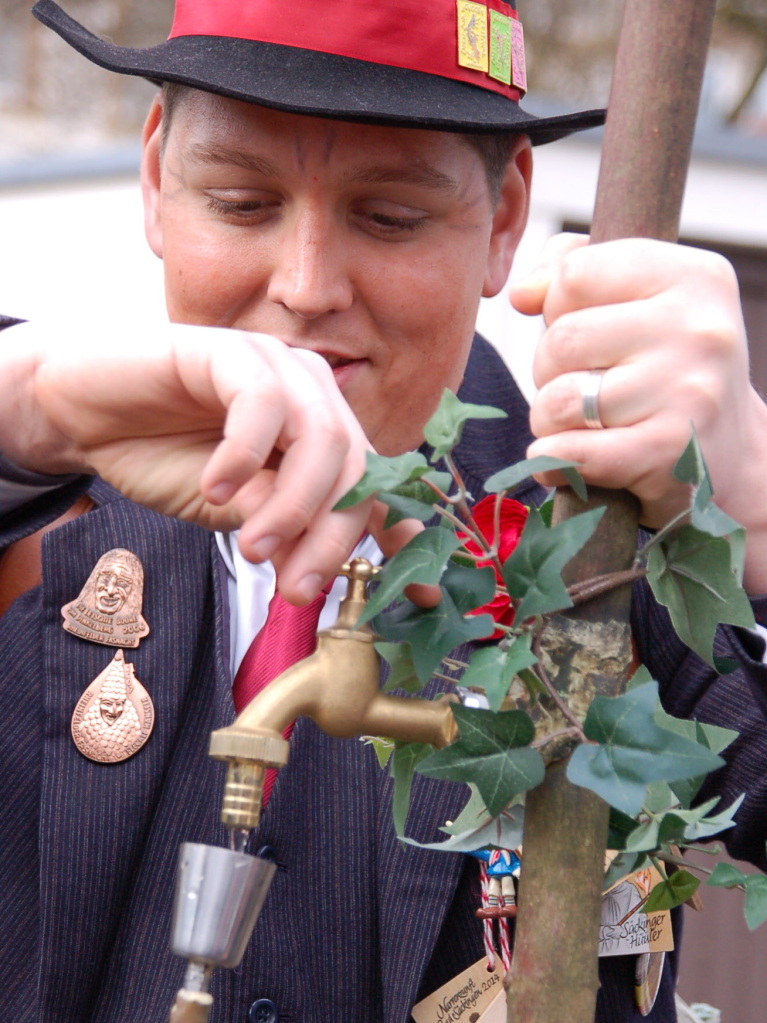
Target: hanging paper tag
{"x": 626, "y": 929}
{"x": 463, "y": 999}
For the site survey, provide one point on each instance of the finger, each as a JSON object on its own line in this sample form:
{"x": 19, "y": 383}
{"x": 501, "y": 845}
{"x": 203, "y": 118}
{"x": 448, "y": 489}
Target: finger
{"x": 639, "y": 459}
{"x": 599, "y": 337}
{"x": 631, "y": 269}
{"x": 249, "y": 378}
{"x": 527, "y": 295}
{"x": 306, "y": 564}
{"x": 627, "y": 395}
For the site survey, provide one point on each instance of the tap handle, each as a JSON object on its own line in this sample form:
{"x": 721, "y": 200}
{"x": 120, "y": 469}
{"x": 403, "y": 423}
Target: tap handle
{"x": 359, "y": 572}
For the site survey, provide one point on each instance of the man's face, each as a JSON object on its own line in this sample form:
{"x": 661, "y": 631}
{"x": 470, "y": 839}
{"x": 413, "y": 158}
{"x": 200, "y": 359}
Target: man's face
{"x": 370, "y": 245}
{"x": 113, "y": 586}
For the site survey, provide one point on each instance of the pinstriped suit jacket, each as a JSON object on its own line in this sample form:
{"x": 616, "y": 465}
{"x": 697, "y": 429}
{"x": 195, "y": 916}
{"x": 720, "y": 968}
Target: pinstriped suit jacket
{"x": 355, "y": 928}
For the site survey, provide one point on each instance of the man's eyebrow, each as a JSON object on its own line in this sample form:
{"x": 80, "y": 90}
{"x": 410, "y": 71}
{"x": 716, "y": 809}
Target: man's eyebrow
{"x": 417, "y": 173}
{"x": 225, "y": 156}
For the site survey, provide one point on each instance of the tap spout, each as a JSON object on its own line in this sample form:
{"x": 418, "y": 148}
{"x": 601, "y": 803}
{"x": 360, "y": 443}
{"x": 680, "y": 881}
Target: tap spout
{"x": 338, "y": 687}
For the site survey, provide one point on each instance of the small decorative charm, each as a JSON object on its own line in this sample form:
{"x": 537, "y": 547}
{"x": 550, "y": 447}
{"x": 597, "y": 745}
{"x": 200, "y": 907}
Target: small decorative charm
{"x": 501, "y": 866}
{"x": 114, "y": 716}
{"x": 108, "y": 609}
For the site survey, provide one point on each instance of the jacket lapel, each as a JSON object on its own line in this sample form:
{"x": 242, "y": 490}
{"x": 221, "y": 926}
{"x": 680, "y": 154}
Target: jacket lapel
{"x": 94, "y": 817}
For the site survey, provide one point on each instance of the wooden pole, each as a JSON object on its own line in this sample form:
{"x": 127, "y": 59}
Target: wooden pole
{"x": 648, "y": 139}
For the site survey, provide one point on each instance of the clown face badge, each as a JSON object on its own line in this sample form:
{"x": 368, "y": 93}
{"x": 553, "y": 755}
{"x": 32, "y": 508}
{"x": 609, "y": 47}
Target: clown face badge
{"x": 114, "y": 716}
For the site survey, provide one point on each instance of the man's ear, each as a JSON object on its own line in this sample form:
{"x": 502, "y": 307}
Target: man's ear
{"x": 150, "y": 176}
{"x": 510, "y": 217}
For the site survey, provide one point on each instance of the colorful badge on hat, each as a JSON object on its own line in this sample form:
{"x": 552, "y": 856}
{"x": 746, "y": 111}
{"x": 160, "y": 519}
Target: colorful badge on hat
{"x": 518, "y": 66}
{"x": 472, "y": 35}
{"x": 500, "y": 47}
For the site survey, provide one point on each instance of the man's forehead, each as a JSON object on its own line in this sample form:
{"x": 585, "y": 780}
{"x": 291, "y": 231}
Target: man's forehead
{"x": 224, "y": 132}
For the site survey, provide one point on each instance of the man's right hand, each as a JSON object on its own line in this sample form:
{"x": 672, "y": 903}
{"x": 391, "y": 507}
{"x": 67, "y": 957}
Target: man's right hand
{"x": 218, "y": 427}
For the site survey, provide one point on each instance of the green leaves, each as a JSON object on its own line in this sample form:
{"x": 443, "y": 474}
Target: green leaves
{"x": 673, "y": 891}
{"x": 402, "y": 764}
{"x": 492, "y": 752}
{"x": 508, "y": 479}
{"x": 697, "y": 571}
{"x": 492, "y": 668}
{"x": 533, "y": 572}
{"x": 725, "y": 875}
{"x": 630, "y": 750}
{"x": 444, "y": 429}
{"x": 691, "y": 574}
{"x": 434, "y": 632}
{"x": 422, "y": 560}
{"x": 476, "y": 829}
{"x": 384, "y": 473}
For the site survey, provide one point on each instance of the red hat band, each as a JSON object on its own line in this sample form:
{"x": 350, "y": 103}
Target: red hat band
{"x": 478, "y": 43}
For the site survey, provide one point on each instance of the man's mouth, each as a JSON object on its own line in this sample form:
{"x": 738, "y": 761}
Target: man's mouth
{"x": 336, "y": 361}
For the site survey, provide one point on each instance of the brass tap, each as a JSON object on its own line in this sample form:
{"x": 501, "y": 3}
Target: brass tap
{"x": 338, "y": 687}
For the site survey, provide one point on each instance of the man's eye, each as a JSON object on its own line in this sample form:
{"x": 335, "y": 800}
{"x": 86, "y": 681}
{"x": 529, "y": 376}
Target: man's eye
{"x": 392, "y": 224}
{"x": 239, "y": 208}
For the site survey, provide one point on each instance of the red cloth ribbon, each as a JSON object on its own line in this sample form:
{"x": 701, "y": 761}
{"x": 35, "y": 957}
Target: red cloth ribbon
{"x": 288, "y": 635}
{"x": 401, "y": 33}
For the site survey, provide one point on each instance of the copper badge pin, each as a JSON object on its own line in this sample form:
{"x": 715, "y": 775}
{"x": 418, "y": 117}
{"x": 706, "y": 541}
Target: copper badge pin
{"x": 108, "y": 609}
{"x": 114, "y": 716}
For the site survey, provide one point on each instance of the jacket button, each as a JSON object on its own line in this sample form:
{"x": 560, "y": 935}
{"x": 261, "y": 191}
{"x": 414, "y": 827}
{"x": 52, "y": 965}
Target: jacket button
{"x": 263, "y": 1010}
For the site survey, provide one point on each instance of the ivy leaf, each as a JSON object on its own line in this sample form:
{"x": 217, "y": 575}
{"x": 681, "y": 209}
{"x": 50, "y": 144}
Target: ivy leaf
{"x": 414, "y": 499}
{"x": 630, "y": 750}
{"x": 492, "y": 668}
{"x": 491, "y": 752}
{"x": 383, "y": 749}
{"x": 469, "y": 586}
{"x": 444, "y": 429}
{"x": 508, "y": 479}
{"x": 422, "y": 560}
{"x": 713, "y": 737}
{"x": 700, "y": 827}
{"x": 620, "y": 829}
{"x": 621, "y": 865}
{"x": 384, "y": 473}
{"x": 432, "y": 632}
{"x": 725, "y": 875}
{"x": 675, "y": 890}
{"x": 704, "y": 514}
{"x": 504, "y": 832}
{"x": 533, "y": 571}
{"x": 402, "y": 765}
{"x": 403, "y": 675}
{"x": 691, "y": 575}
{"x": 756, "y": 901}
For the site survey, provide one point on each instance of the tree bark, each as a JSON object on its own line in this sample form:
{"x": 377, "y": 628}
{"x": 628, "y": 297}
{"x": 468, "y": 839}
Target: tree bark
{"x": 647, "y": 144}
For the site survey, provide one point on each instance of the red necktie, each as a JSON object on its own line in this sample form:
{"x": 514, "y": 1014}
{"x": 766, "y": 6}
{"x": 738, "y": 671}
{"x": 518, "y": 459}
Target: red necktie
{"x": 289, "y": 634}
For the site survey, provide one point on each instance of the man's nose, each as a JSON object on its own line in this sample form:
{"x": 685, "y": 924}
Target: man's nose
{"x": 310, "y": 273}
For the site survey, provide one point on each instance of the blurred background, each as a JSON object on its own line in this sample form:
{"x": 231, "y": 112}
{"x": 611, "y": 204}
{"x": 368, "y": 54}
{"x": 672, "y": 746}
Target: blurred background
{"x": 72, "y": 233}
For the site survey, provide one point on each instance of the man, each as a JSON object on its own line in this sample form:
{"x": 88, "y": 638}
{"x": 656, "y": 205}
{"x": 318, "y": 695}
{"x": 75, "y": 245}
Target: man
{"x": 328, "y": 219}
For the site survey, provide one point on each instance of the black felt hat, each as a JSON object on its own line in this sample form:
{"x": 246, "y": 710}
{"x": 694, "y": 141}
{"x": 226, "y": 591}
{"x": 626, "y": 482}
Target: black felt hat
{"x": 452, "y": 65}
